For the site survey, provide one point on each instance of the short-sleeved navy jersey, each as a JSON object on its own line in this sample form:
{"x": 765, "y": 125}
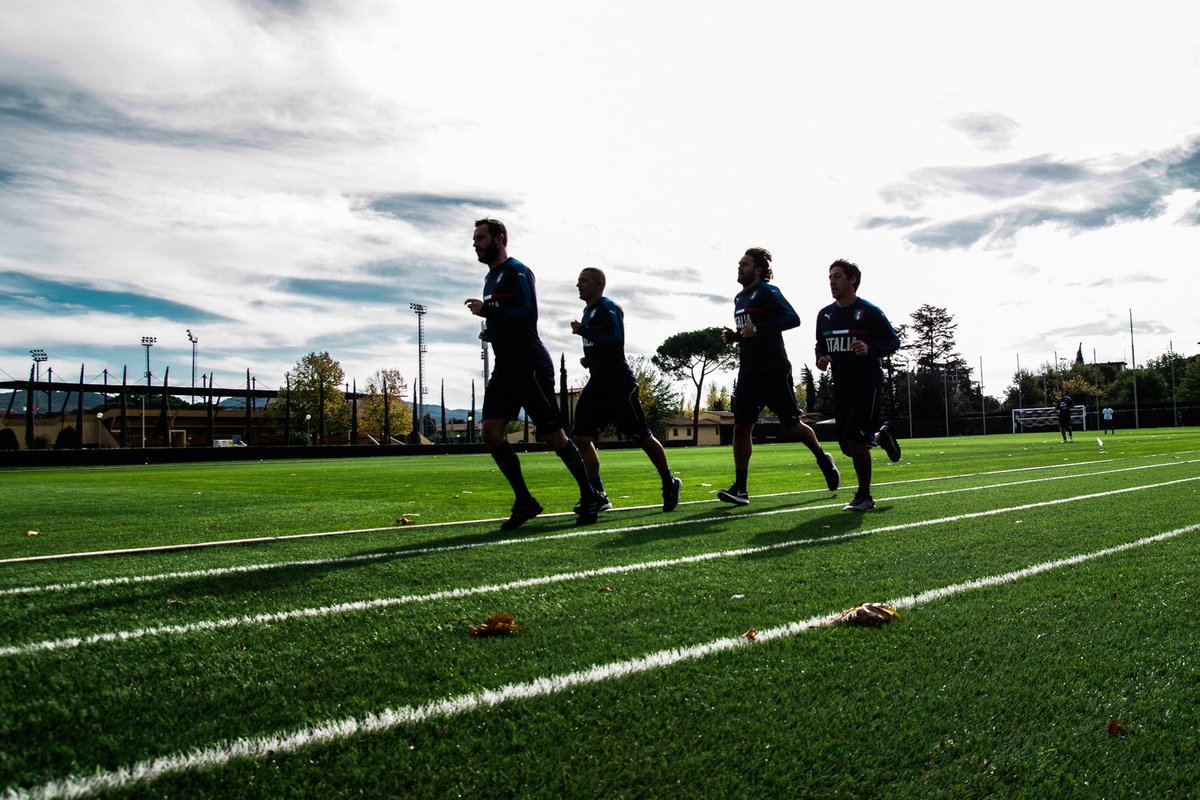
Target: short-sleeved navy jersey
{"x": 510, "y": 308}
{"x": 764, "y": 306}
{"x": 838, "y": 327}
{"x": 602, "y": 328}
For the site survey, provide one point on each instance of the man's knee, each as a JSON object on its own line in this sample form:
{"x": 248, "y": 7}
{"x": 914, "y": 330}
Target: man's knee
{"x": 491, "y": 434}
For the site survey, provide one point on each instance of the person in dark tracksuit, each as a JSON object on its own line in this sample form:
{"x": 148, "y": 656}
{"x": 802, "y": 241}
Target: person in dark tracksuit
{"x": 523, "y": 376}
{"x": 761, "y": 315}
{"x": 611, "y": 394}
{"x": 852, "y": 336}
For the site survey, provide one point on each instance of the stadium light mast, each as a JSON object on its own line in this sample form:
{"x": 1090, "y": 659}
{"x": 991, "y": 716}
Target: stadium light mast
{"x": 420, "y": 409}
{"x": 147, "y": 342}
{"x": 192, "y": 338}
{"x": 39, "y": 356}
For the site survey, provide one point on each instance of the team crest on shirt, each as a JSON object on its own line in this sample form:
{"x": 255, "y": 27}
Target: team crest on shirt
{"x": 858, "y": 314}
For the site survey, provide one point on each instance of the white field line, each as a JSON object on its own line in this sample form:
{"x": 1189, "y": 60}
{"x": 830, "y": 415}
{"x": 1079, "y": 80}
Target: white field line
{"x": 271, "y": 745}
{"x": 166, "y": 548}
{"x": 468, "y": 591}
{"x": 408, "y": 552}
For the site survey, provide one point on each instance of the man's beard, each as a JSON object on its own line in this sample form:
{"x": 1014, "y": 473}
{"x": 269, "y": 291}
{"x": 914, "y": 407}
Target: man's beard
{"x": 489, "y": 254}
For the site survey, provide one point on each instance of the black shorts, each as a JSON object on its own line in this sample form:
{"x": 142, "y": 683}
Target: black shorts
{"x": 1064, "y": 419}
{"x": 605, "y": 401}
{"x": 856, "y": 413}
{"x": 758, "y": 389}
{"x": 527, "y": 386}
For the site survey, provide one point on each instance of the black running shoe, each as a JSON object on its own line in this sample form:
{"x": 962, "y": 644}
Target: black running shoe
{"x": 671, "y": 494}
{"x": 888, "y": 442}
{"x": 589, "y": 510}
{"x": 861, "y": 502}
{"x": 833, "y": 478}
{"x": 605, "y": 504}
{"x": 522, "y": 512}
{"x": 739, "y": 497}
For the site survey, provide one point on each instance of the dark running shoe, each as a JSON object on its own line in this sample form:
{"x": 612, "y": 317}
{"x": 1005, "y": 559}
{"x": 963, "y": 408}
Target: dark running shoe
{"x": 739, "y": 497}
{"x": 861, "y": 502}
{"x": 888, "y": 442}
{"x": 605, "y": 505}
{"x": 589, "y": 510}
{"x": 671, "y": 494}
{"x": 833, "y": 478}
{"x": 522, "y": 512}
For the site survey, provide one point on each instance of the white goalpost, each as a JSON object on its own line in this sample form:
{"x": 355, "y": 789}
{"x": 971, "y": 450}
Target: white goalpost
{"x": 1025, "y": 420}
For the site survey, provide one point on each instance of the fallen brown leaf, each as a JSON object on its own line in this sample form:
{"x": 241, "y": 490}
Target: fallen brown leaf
{"x": 871, "y": 615}
{"x": 32, "y": 533}
{"x": 751, "y": 635}
{"x": 604, "y": 587}
{"x": 496, "y": 625}
{"x": 1115, "y": 728}
{"x": 403, "y": 521}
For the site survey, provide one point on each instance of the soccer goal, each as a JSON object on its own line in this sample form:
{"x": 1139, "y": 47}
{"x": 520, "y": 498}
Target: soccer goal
{"x": 1034, "y": 419}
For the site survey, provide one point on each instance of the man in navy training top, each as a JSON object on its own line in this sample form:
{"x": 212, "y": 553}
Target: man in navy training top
{"x": 611, "y": 394}
{"x": 1065, "y": 404}
{"x": 764, "y": 379}
{"x": 523, "y": 376}
{"x": 852, "y": 336}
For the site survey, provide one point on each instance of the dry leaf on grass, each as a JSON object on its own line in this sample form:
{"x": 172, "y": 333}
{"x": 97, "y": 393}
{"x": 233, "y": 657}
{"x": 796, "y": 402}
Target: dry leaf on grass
{"x": 750, "y": 635}
{"x": 1115, "y": 728}
{"x": 32, "y": 533}
{"x": 604, "y": 587}
{"x": 403, "y": 521}
{"x": 496, "y": 625}
{"x": 869, "y": 614}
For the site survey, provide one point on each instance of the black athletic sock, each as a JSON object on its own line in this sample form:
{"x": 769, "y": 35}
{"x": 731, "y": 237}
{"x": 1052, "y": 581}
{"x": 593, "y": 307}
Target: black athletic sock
{"x": 739, "y": 478}
{"x": 510, "y": 466}
{"x": 665, "y": 474}
{"x": 597, "y": 484}
{"x": 571, "y": 457}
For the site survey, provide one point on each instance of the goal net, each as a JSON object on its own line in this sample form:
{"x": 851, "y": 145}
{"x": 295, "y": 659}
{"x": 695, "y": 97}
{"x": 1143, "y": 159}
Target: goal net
{"x": 1033, "y": 419}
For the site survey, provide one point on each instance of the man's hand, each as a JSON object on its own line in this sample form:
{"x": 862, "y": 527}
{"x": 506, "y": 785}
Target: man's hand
{"x": 859, "y": 347}
{"x": 475, "y": 305}
{"x": 583, "y": 362}
{"x": 823, "y": 363}
{"x": 749, "y": 331}
{"x": 728, "y": 336}
{"x": 575, "y": 326}
{"x": 483, "y": 335}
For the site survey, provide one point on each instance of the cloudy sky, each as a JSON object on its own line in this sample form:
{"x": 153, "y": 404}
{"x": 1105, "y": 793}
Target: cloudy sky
{"x": 287, "y": 177}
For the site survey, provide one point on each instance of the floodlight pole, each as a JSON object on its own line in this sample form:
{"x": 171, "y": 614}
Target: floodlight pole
{"x": 39, "y": 356}
{"x": 147, "y": 342}
{"x": 192, "y": 338}
{"x": 420, "y": 312}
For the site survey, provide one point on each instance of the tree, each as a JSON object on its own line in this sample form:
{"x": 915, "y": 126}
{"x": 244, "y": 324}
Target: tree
{"x": 693, "y": 355}
{"x": 659, "y": 400}
{"x": 932, "y": 334}
{"x": 316, "y": 384}
{"x": 718, "y": 398}
{"x": 810, "y": 389}
{"x": 370, "y": 409}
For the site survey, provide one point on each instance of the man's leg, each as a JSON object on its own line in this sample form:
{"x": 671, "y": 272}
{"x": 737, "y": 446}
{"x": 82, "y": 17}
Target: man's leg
{"x": 860, "y": 456}
{"x": 803, "y": 432}
{"x": 591, "y": 459}
{"x": 653, "y": 448}
{"x": 525, "y": 507}
{"x": 743, "y": 448}
{"x": 589, "y": 498}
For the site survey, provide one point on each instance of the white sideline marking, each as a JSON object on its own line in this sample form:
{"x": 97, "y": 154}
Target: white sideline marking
{"x": 405, "y": 553}
{"x": 389, "y": 719}
{"x": 226, "y": 623}
{"x": 166, "y": 548}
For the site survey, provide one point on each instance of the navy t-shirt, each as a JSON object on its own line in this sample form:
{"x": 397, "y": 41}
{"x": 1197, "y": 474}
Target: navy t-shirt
{"x": 764, "y": 306}
{"x": 838, "y": 327}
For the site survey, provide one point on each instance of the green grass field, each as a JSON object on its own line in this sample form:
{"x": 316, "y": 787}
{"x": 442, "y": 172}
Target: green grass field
{"x": 1047, "y": 644}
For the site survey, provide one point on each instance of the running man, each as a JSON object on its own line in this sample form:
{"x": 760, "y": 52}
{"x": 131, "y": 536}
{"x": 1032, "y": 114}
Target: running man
{"x": 852, "y": 336}
{"x": 523, "y": 376}
{"x": 611, "y": 394}
{"x": 1064, "y": 406}
{"x": 764, "y": 379}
